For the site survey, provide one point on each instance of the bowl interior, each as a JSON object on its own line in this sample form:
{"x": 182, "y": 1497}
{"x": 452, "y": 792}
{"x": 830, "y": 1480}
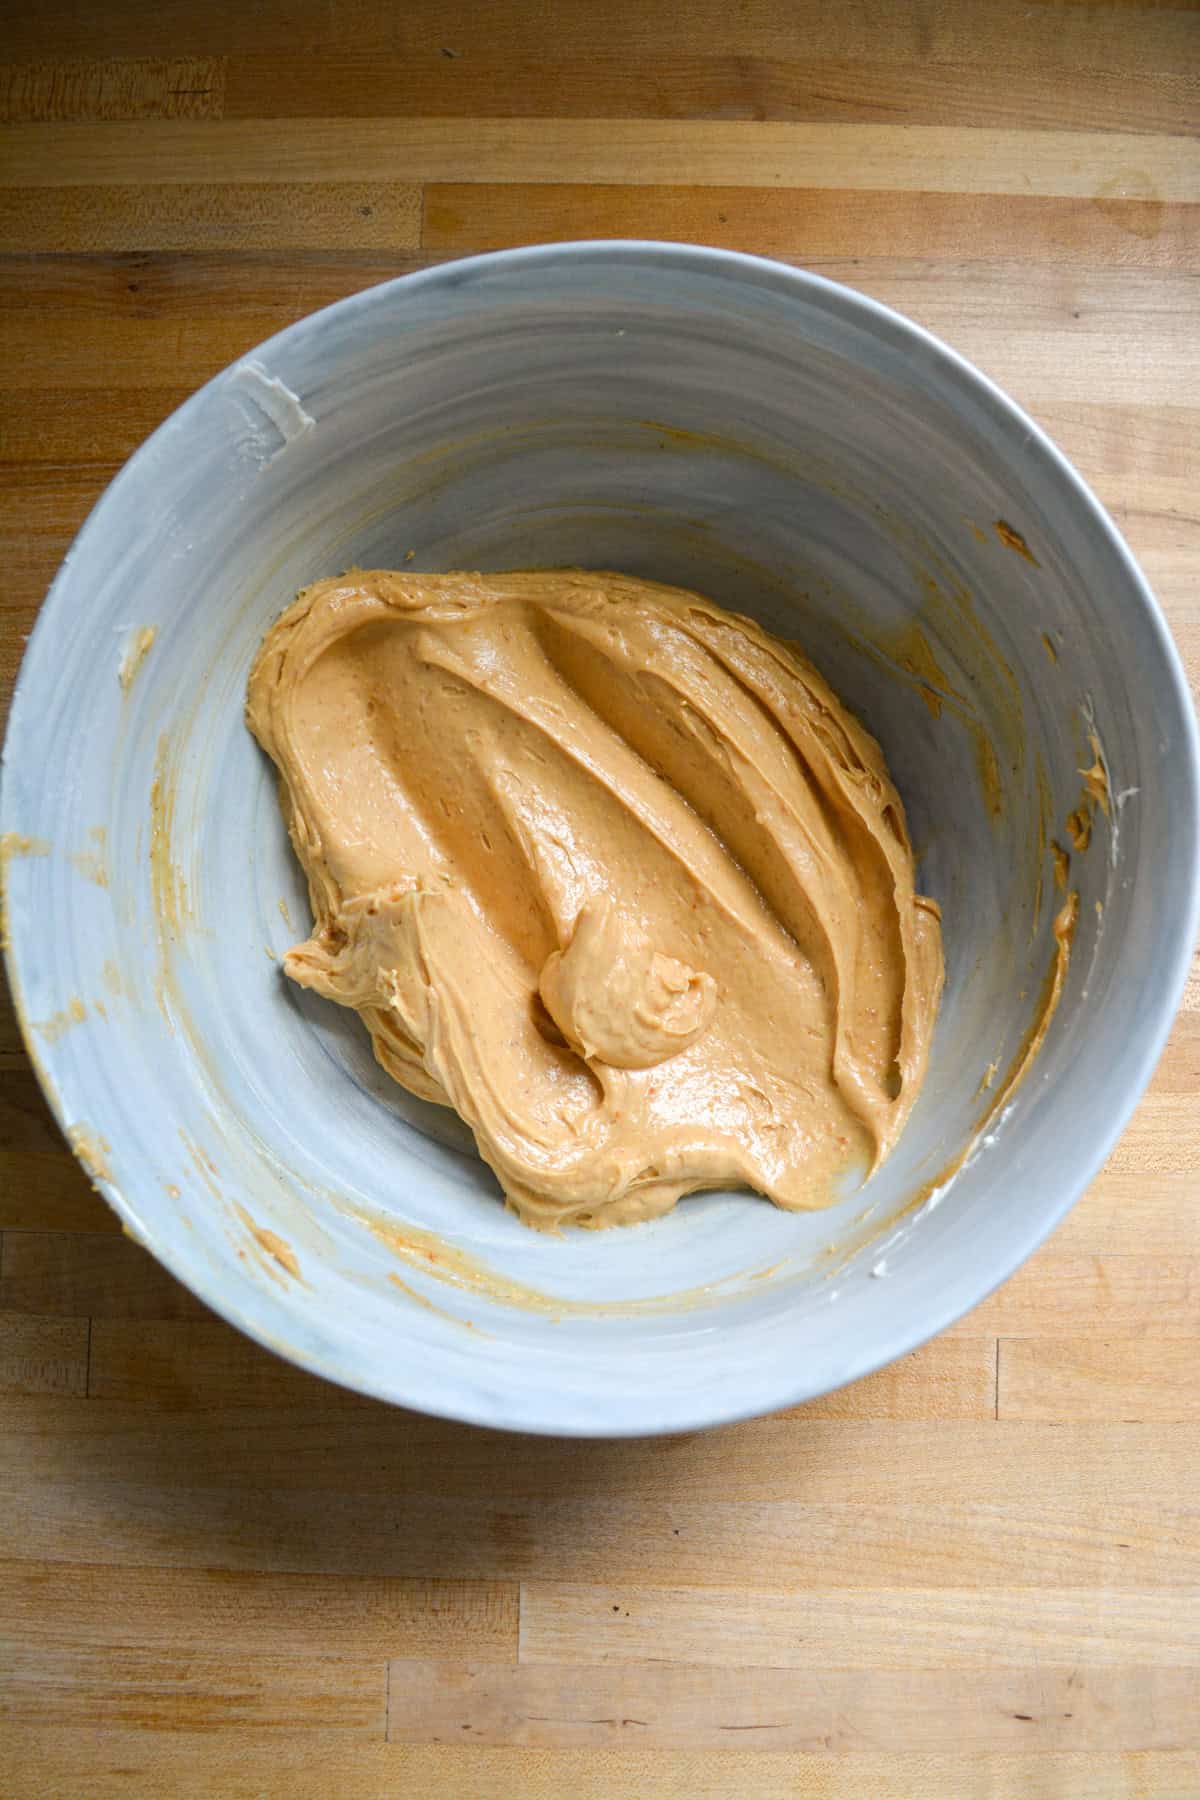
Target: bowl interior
{"x": 798, "y": 455}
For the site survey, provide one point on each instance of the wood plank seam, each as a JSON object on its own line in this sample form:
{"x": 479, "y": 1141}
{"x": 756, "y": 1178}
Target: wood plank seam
{"x": 997, "y": 1390}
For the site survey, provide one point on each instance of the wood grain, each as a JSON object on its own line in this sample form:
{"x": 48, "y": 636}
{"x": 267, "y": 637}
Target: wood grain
{"x": 188, "y": 87}
{"x": 92, "y": 1274}
{"x": 184, "y": 1363}
{"x": 227, "y": 215}
{"x": 41, "y": 1186}
{"x": 301, "y": 1615}
{"x": 195, "y": 1765}
{"x": 820, "y": 224}
{"x": 676, "y": 1706}
{"x": 1048, "y": 1538}
{"x": 43, "y": 1356}
{"x": 975, "y": 1576}
{"x": 1112, "y": 1378}
{"x": 900, "y": 158}
{"x": 687, "y": 83}
{"x": 1150, "y": 1296}
{"x": 567, "y": 1623}
{"x": 791, "y": 1459}
{"x": 1123, "y": 1214}
{"x": 66, "y": 426}
{"x": 171, "y": 1688}
{"x": 1142, "y": 36}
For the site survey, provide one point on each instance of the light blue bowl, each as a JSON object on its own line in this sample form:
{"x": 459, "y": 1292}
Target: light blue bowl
{"x": 794, "y": 451}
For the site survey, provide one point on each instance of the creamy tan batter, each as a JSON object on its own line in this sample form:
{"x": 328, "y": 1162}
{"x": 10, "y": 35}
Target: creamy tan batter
{"x": 610, "y": 871}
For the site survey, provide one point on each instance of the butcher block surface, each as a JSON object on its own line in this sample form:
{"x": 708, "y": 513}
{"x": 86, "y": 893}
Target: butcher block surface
{"x": 976, "y": 1574}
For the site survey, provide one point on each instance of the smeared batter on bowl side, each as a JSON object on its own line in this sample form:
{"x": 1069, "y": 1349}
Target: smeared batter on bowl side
{"x": 610, "y": 871}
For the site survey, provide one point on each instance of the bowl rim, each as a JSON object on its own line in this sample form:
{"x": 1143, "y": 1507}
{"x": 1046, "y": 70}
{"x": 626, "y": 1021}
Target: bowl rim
{"x": 1010, "y": 420}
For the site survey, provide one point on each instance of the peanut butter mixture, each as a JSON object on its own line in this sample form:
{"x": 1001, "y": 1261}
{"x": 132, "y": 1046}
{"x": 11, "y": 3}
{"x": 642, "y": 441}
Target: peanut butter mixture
{"x": 610, "y": 871}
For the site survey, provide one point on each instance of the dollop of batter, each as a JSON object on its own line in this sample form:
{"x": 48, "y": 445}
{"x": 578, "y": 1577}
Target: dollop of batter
{"x": 610, "y": 871}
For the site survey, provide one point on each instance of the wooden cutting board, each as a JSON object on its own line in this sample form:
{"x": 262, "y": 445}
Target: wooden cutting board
{"x": 977, "y": 1574}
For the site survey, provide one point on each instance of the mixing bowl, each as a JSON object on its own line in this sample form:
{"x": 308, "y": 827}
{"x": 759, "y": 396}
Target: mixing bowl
{"x": 797, "y": 453}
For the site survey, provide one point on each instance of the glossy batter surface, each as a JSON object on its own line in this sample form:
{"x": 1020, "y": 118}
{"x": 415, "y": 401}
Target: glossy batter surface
{"x": 610, "y": 871}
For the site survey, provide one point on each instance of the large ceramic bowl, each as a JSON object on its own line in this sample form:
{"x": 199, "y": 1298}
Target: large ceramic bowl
{"x": 781, "y": 444}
